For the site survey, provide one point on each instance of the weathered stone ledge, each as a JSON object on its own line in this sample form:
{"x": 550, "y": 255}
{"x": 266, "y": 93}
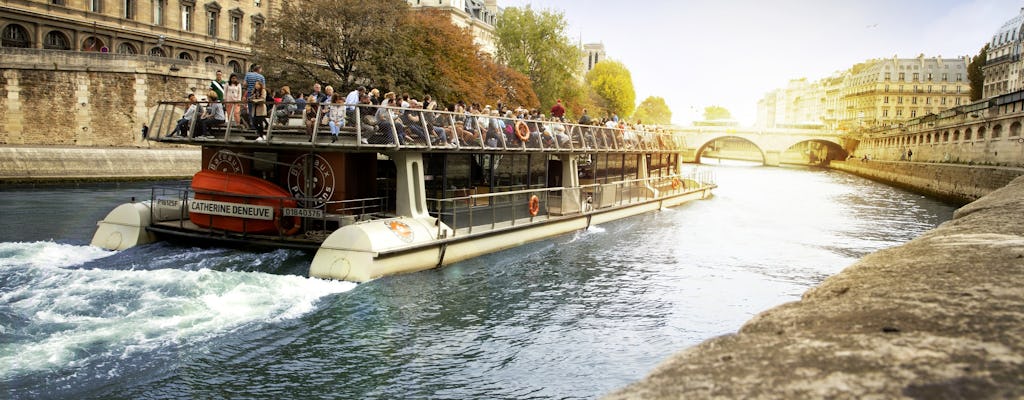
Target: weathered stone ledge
{"x": 69, "y": 164}
{"x": 940, "y": 317}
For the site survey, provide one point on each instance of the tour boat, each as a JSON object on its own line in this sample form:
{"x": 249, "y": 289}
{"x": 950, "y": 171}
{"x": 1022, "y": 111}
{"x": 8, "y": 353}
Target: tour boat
{"x": 429, "y": 189}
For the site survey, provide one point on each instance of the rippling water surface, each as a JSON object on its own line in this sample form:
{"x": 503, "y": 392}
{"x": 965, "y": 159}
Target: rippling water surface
{"x": 574, "y": 316}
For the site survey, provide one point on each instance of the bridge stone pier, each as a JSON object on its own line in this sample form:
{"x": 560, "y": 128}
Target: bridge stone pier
{"x": 772, "y": 143}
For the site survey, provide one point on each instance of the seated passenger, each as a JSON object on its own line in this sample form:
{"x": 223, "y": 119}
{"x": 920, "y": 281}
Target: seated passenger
{"x": 181, "y": 129}
{"x": 214, "y": 115}
{"x": 336, "y": 116}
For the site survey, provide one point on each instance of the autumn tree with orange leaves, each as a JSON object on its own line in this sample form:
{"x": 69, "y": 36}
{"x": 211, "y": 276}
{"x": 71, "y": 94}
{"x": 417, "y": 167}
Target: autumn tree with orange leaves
{"x": 383, "y": 44}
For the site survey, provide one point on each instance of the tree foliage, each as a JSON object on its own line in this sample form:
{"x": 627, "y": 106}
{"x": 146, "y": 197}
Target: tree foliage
{"x": 653, "y": 110}
{"x": 716, "y": 112}
{"x": 613, "y": 85}
{"x": 535, "y": 44}
{"x": 974, "y": 74}
{"x": 384, "y": 44}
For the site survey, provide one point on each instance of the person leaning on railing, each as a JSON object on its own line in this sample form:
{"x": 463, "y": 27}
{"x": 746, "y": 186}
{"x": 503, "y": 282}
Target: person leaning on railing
{"x": 181, "y": 129}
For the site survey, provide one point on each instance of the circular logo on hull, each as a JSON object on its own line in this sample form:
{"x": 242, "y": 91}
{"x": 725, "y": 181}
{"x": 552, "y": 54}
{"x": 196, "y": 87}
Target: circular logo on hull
{"x": 311, "y": 177}
{"x": 225, "y": 161}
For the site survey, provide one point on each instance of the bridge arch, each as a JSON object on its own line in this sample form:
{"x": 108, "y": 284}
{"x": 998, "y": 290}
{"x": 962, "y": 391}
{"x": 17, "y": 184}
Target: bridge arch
{"x": 709, "y": 144}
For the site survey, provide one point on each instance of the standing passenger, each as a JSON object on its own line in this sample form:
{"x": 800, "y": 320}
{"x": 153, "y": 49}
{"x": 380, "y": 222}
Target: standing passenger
{"x": 232, "y": 96}
{"x": 251, "y": 78}
{"x": 258, "y": 105}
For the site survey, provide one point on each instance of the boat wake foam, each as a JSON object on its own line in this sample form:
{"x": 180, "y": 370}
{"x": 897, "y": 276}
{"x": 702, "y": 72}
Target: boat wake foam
{"x": 54, "y": 317}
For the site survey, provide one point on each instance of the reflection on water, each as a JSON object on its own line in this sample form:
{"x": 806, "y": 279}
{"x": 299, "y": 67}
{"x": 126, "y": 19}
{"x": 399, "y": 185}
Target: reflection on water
{"x": 574, "y": 316}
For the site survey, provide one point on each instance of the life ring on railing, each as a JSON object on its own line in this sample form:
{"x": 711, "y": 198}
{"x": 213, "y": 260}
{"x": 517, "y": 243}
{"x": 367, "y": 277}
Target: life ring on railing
{"x": 522, "y": 132}
{"x": 287, "y": 231}
{"x": 676, "y": 183}
{"x": 534, "y": 205}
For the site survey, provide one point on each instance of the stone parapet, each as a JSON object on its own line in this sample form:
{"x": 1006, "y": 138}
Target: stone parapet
{"x": 939, "y": 317}
{"x": 63, "y": 164}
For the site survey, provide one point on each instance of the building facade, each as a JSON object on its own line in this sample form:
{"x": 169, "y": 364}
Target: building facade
{"x": 478, "y": 16}
{"x": 210, "y": 31}
{"x": 874, "y": 94}
{"x": 593, "y": 53}
{"x": 1003, "y": 69}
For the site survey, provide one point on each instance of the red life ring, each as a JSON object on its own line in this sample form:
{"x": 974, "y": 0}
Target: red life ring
{"x": 296, "y": 224}
{"x": 522, "y": 132}
{"x": 534, "y": 205}
{"x": 676, "y": 183}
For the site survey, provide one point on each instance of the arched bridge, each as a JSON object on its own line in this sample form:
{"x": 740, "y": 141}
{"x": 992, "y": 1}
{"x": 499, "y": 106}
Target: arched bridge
{"x": 771, "y": 142}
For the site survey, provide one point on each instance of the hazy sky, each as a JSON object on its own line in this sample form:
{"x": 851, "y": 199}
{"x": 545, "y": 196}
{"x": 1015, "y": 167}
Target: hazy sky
{"x": 731, "y": 52}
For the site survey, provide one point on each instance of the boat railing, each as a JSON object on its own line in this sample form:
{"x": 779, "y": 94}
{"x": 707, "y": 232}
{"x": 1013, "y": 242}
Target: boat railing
{"x": 485, "y": 212}
{"x": 374, "y": 127}
{"x": 171, "y": 205}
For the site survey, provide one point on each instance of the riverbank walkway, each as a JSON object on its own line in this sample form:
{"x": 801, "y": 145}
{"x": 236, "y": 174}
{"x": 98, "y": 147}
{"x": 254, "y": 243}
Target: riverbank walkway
{"x": 940, "y": 317}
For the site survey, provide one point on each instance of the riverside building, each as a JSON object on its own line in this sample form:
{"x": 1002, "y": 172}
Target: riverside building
{"x": 1003, "y": 68}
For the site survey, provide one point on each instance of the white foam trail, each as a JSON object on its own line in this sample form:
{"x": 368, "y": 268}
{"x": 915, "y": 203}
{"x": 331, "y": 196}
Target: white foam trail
{"x": 65, "y": 317}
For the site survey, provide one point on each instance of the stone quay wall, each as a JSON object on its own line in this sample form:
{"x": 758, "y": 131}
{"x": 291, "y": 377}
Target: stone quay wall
{"x": 68, "y": 98}
{"x": 70, "y": 164}
{"x": 940, "y": 317}
{"x": 957, "y": 183}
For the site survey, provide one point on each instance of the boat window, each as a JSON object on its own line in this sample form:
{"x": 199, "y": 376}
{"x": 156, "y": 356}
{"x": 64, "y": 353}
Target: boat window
{"x": 630, "y": 166}
{"x": 538, "y": 170}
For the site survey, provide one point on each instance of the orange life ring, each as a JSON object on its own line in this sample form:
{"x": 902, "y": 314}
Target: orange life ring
{"x": 534, "y": 205}
{"x": 522, "y": 132}
{"x": 296, "y": 224}
{"x": 676, "y": 183}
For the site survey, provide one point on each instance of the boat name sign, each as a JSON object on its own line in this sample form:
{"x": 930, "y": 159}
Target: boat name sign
{"x": 231, "y": 209}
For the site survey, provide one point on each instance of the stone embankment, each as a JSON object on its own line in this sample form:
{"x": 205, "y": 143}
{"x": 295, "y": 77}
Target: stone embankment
{"x": 71, "y": 164}
{"x": 958, "y": 183}
{"x": 940, "y": 317}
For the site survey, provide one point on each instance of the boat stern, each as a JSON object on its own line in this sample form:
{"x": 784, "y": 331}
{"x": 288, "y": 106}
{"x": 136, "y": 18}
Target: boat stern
{"x": 371, "y": 249}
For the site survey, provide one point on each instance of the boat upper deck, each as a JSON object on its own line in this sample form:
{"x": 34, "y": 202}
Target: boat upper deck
{"x": 372, "y": 128}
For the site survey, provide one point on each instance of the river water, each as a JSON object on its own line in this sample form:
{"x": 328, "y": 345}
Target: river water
{"x": 575, "y": 316}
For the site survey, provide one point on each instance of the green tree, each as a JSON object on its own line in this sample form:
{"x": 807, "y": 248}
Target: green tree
{"x": 716, "y": 112}
{"x": 653, "y": 110}
{"x": 331, "y": 40}
{"x": 613, "y": 85}
{"x": 536, "y": 45}
{"x": 974, "y": 74}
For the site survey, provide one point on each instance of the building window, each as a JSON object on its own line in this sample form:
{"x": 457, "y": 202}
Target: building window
{"x": 211, "y": 23}
{"x": 885, "y": 100}
{"x": 235, "y": 66}
{"x": 15, "y": 36}
{"x": 57, "y": 2}
{"x": 887, "y": 88}
{"x": 186, "y": 17}
{"x": 945, "y": 77}
{"x": 899, "y": 100}
{"x": 126, "y": 48}
{"x": 236, "y": 25}
{"x": 913, "y": 113}
{"x": 959, "y": 77}
{"x": 885, "y": 113}
{"x": 899, "y": 112}
{"x": 129, "y": 9}
{"x": 888, "y": 76}
{"x": 185, "y": 56}
{"x": 96, "y": 6}
{"x": 943, "y": 101}
{"x": 92, "y": 43}
{"x": 916, "y": 76}
{"x": 927, "y": 100}
{"x": 56, "y": 40}
{"x": 158, "y": 12}
{"x": 211, "y": 60}
{"x": 902, "y": 76}
{"x": 157, "y": 52}
{"x": 913, "y": 100}
{"x": 929, "y": 76}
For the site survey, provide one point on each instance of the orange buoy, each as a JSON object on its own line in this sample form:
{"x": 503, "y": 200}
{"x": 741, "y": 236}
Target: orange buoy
{"x": 522, "y": 132}
{"x": 534, "y": 205}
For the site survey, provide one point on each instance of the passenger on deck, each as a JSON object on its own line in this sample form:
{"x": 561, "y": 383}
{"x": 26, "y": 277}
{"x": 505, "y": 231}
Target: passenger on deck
{"x": 259, "y": 107}
{"x": 388, "y": 124}
{"x": 232, "y": 98}
{"x": 181, "y": 129}
{"x": 350, "y": 104}
{"x": 286, "y": 107}
{"x": 336, "y": 116}
{"x": 317, "y": 94}
{"x": 310, "y": 115}
{"x": 214, "y": 115}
